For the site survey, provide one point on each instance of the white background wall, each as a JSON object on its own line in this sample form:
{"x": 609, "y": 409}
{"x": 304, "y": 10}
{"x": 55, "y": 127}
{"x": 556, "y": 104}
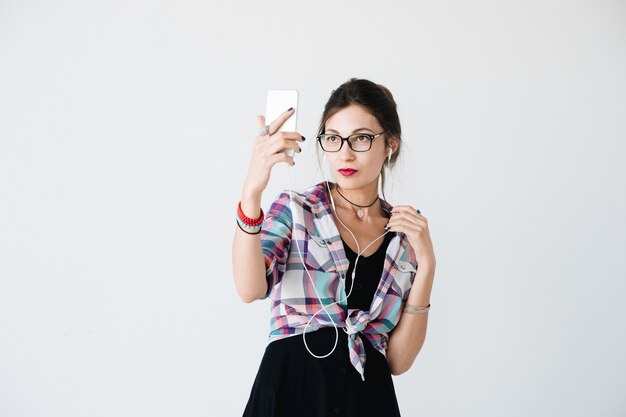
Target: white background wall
{"x": 125, "y": 136}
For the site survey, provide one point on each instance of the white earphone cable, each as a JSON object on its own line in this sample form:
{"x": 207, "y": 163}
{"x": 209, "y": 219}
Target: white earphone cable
{"x": 359, "y": 253}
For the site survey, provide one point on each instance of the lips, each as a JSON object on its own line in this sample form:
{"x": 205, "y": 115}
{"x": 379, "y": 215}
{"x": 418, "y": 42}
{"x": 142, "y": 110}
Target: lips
{"x": 347, "y": 171}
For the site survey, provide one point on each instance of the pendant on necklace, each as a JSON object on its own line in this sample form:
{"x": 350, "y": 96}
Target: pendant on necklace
{"x": 360, "y": 213}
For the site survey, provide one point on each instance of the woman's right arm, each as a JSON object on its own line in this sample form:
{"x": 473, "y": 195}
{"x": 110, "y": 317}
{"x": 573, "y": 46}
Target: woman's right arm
{"x": 248, "y": 261}
{"x": 249, "y": 268}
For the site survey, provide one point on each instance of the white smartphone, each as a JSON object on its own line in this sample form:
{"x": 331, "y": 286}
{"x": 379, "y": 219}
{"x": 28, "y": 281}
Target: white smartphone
{"x": 278, "y": 101}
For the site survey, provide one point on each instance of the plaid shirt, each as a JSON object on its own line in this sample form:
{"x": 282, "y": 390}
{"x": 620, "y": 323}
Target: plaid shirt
{"x": 293, "y": 298}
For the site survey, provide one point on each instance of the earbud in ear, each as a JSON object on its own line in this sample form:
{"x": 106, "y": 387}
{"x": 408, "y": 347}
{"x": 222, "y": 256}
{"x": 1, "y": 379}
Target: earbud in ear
{"x": 389, "y": 156}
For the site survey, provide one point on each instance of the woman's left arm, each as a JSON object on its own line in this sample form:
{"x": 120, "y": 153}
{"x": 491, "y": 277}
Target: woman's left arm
{"x": 407, "y": 338}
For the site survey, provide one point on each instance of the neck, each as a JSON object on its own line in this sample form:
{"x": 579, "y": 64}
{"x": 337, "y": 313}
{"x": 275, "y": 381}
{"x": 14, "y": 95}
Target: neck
{"x": 363, "y": 196}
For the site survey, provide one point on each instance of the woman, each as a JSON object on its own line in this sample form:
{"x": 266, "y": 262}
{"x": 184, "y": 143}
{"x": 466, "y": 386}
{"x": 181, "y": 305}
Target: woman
{"x": 340, "y": 264}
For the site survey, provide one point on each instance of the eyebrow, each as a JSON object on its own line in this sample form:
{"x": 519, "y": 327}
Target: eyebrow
{"x": 354, "y": 131}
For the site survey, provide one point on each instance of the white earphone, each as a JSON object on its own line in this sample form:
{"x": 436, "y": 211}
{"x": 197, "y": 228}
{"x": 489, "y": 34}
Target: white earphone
{"x": 389, "y": 157}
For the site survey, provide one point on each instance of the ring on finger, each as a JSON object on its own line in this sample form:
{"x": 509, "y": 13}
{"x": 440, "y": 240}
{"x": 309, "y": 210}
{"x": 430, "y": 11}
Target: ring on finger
{"x": 265, "y": 131}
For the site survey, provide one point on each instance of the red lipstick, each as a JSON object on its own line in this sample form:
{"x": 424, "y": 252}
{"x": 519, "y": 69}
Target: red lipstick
{"x": 346, "y": 172}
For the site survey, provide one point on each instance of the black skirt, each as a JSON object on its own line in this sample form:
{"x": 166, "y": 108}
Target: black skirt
{"x": 292, "y": 382}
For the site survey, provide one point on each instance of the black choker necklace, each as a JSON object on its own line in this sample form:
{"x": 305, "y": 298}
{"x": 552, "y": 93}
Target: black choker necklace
{"x": 360, "y": 212}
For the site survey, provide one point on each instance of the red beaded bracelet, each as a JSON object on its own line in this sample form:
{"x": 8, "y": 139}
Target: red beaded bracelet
{"x": 247, "y": 220}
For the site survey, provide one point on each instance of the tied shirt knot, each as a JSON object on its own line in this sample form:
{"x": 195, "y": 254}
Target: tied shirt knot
{"x": 356, "y": 322}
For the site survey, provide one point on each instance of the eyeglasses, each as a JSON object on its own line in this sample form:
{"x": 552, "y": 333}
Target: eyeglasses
{"x": 359, "y": 142}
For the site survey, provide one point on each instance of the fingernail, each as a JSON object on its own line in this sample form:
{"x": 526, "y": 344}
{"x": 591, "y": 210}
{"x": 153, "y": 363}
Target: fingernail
{"x": 290, "y": 109}
{"x": 303, "y": 138}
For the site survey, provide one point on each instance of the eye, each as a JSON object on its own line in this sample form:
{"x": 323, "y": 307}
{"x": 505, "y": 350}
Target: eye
{"x": 332, "y": 138}
{"x": 362, "y": 138}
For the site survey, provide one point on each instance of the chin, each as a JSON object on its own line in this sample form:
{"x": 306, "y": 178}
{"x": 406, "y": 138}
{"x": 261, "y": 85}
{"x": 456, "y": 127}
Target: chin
{"x": 354, "y": 184}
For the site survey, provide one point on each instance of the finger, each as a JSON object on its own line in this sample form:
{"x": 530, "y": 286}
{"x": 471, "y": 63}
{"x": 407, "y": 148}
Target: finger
{"x": 406, "y": 221}
{"x": 281, "y": 157}
{"x": 278, "y": 122}
{"x": 289, "y": 135}
{"x": 403, "y": 208}
{"x": 260, "y": 119}
{"x": 407, "y": 210}
{"x": 404, "y": 226}
{"x": 282, "y": 145}
{"x": 410, "y": 215}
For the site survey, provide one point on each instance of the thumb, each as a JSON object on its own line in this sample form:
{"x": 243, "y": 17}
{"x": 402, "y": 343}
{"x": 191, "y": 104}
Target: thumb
{"x": 260, "y": 121}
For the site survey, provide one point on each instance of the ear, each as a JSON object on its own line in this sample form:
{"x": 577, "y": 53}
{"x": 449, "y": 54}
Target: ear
{"x": 393, "y": 142}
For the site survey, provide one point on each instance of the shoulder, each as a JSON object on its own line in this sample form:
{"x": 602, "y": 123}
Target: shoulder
{"x": 310, "y": 197}
{"x": 306, "y": 207}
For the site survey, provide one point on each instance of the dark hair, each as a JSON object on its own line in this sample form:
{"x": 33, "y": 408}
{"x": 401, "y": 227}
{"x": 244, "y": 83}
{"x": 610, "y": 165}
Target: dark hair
{"x": 378, "y": 101}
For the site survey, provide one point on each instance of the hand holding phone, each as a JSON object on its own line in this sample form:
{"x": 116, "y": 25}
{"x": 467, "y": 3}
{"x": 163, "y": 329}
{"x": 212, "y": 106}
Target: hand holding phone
{"x": 278, "y": 101}
{"x": 281, "y": 142}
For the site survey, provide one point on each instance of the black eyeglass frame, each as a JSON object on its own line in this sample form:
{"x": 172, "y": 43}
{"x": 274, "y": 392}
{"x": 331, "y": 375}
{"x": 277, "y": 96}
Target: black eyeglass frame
{"x": 371, "y": 138}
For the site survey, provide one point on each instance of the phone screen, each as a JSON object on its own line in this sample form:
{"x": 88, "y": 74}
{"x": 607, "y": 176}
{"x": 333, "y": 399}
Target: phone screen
{"x": 277, "y": 102}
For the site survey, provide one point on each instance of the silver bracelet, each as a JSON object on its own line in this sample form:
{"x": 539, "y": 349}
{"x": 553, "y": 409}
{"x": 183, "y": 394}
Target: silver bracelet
{"x": 416, "y": 310}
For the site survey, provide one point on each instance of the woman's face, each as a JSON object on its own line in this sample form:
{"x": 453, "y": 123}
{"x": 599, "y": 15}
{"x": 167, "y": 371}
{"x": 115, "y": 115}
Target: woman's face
{"x": 347, "y": 121}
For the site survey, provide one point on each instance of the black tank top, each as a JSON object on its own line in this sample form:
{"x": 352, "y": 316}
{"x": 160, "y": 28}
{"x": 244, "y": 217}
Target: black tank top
{"x": 368, "y": 274}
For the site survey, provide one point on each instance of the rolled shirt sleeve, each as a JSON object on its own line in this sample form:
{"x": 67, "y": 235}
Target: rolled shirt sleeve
{"x": 276, "y": 240}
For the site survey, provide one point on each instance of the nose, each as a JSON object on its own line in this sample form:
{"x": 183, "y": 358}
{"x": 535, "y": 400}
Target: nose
{"x": 345, "y": 153}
